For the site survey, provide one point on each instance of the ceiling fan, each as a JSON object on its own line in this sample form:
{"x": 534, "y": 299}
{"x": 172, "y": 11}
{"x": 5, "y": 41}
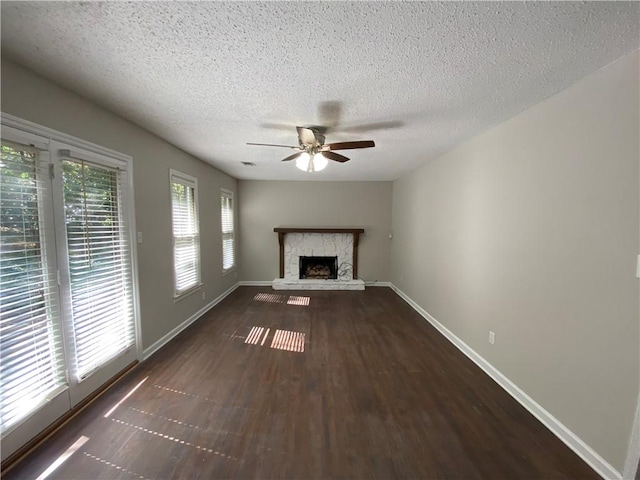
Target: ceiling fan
{"x": 313, "y": 154}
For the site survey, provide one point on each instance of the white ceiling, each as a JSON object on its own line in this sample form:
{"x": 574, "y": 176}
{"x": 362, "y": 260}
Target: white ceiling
{"x": 211, "y": 76}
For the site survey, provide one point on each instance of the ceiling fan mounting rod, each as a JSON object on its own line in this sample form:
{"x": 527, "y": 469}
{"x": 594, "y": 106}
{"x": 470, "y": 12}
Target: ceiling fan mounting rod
{"x": 312, "y": 149}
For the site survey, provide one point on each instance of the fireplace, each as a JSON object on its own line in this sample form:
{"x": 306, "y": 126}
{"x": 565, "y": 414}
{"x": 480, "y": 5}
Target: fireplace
{"x": 324, "y": 268}
{"x": 321, "y": 247}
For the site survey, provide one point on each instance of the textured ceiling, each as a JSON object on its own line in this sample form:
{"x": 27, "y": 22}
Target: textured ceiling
{"x": 418, "y": 78}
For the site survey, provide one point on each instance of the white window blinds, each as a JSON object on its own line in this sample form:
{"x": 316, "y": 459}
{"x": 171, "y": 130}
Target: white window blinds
{"x": 98, "y": 258}
{"x": 228, "y": 234}
{"x": 186, "y": 235}
{"x": 31, "y": 346}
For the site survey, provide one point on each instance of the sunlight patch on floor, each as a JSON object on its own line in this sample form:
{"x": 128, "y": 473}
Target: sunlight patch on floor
{"x": 275, "y": 298}
{"x": 173, "y": 390}
{"x": 304, "y": 301}
{"x": 172, "y": 420}
{"x": 113, "y": 409}
{"x": 174, "y": 439}
{"x": 287, "y": 340}
{"x": 117, "y": 467}
{"x": 265, "y": 337}
{"x": 270, "y": 297}
{"x": 63, "y": 458}
{"x": 254, "y": 335}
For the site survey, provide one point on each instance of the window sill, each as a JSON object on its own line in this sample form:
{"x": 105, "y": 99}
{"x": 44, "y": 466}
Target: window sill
{"x": 187, "y": 293}
{"x": 228, "y": 271}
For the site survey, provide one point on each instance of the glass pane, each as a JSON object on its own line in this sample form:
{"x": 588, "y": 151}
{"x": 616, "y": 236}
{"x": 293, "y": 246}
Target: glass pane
{"x": 186, "y": 241}
{"x": 31, "y": 364}
{"x": 101, "y": 296}
{"x": 226, "y": 220}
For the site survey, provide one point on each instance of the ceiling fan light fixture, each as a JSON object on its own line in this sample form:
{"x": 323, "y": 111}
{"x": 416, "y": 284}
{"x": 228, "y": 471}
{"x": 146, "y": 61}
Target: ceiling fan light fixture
{"x": 308, "y": 163}
{"x": 302, "y": 162}
{"x": 319, "y": 162}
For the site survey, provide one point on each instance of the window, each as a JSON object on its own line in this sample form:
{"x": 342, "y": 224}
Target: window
{"x": 186, "y": 236}
{"x": 228, "y": 235}
{"x": 67, "y": 302}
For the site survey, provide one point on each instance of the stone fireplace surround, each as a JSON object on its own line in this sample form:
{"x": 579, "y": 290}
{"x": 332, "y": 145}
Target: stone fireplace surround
{"x": 297, "y": 242}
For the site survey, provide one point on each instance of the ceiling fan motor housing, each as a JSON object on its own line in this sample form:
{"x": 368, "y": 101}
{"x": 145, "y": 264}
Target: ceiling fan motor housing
{"x": 318, "y": 138}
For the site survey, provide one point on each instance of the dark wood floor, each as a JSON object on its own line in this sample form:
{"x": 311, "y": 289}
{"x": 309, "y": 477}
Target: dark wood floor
{"x": 375, "y": 393}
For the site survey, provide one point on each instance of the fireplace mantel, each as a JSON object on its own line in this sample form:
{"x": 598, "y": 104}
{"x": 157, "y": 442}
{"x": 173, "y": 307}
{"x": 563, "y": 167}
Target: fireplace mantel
{"x": 282, "y": 231}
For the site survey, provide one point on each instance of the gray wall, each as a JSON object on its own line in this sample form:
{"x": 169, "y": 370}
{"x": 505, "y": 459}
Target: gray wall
{"x": 31, "y": 97}
{"x": 269, "y": 204}
{"x": 531, "y": 230}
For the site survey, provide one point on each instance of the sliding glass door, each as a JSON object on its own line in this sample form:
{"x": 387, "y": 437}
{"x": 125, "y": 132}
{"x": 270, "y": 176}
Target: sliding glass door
{"x": 32, "y": 358}
{"x": 67, "y": 320}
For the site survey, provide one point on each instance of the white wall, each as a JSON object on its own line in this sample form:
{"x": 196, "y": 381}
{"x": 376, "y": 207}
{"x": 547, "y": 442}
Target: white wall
{"x": 531, "y": 230}
{"x": 269, "y": 204}
{"x": 31, "y": 97}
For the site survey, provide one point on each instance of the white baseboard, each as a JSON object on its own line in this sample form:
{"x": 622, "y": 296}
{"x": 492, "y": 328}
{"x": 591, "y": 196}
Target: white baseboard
{"x": 169, "y": 336}
{"x": 267, "y": 283}
{"x": 584, "y": 451}
{"x": 377, "y": 284}
{"x": 633, "y": 454}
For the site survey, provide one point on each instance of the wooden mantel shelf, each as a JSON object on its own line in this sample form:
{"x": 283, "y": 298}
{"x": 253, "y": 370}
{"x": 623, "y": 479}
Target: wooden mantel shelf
{"x": 282, "y": 231}
{"x": 317, "y": 230}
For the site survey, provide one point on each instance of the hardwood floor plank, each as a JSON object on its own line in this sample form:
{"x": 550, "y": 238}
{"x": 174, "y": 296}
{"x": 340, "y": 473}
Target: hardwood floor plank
{"x": 308, "y": 385}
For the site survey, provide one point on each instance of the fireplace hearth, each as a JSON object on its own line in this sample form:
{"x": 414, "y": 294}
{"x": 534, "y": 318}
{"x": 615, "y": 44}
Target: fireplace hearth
{"x": 323, "y": 268}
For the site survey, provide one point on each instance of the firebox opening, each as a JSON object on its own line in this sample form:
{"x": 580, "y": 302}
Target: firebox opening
{"x": 319, "y": 268}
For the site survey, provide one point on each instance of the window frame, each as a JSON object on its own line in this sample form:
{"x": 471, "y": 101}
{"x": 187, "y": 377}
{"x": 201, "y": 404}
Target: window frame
{"x": 189, "y": 182}
{"x": 228, "y": 194}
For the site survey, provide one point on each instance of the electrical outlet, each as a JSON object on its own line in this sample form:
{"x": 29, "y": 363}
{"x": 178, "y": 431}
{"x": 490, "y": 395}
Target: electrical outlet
{"x": 492, "y": 337}
{"x": 139, "y": 237}
{"x": 204, "y": 295}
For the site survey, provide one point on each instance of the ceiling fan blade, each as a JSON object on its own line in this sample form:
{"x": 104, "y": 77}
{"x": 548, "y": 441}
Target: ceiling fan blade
{"x": 350, "y": 145}
{"x": 306, "y": 136}
{"x": 272, "y": 145}
{"x": 335, "y": 156}
{"x": 292, "y": 157}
